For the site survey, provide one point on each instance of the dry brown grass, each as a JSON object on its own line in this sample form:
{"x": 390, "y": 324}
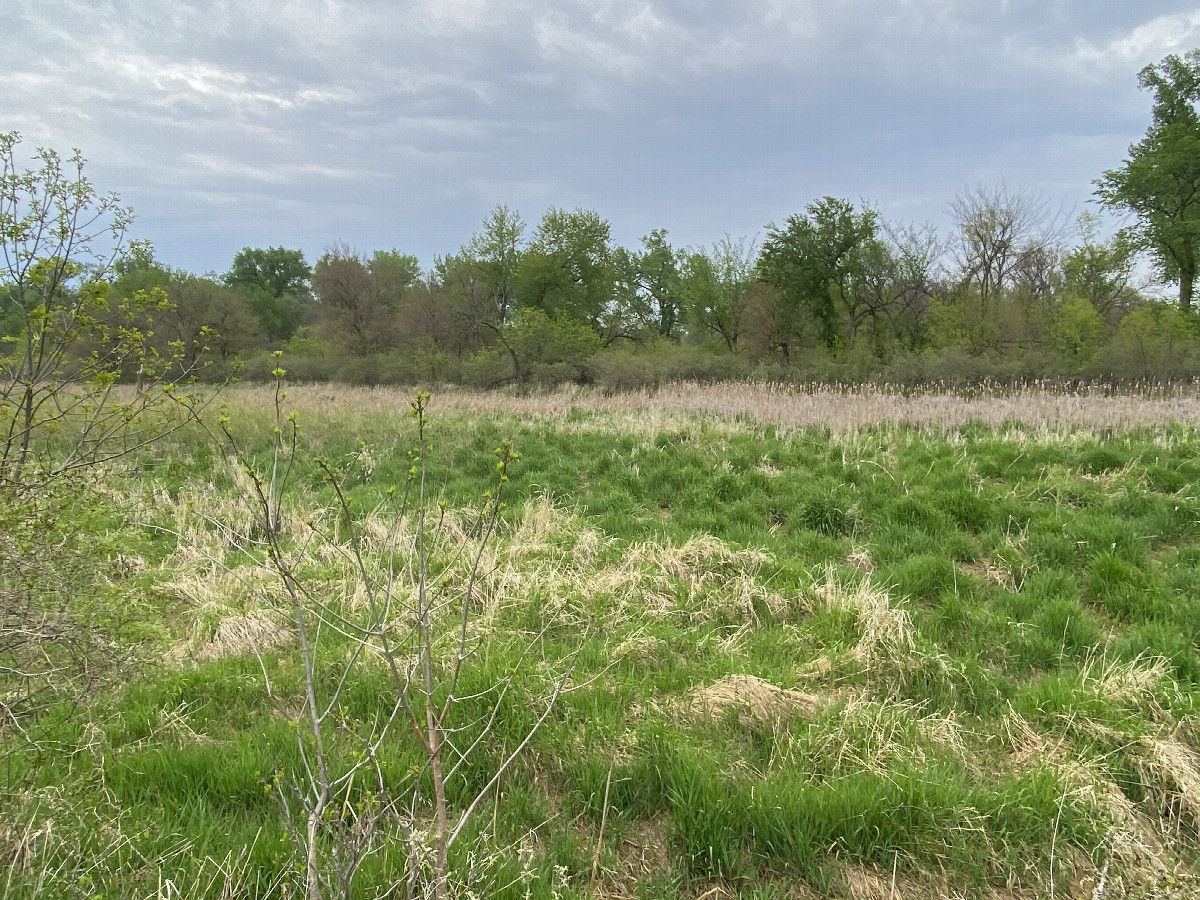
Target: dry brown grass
{"x": 1174, "y": 769}
{"x": 761, "y": 701}
{"x": 675, "y": 407}
{"x": 254, "y": 632}
{"x": 1139, "y": 851}
{"x": 886, "y": 631}
{"x": 1134, "y": 683}
{"x": 872, "y": 883}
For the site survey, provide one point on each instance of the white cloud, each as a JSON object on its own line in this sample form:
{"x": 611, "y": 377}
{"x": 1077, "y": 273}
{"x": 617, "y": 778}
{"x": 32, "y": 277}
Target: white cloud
{"x": 630, "y": 105}
{"x": 271, "y": 173}
{"x": 1144, "y": 44}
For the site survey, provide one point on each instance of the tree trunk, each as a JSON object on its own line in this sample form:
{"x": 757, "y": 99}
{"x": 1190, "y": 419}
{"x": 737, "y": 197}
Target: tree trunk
{"x": 1187, "y": 287}
{"x": 26, "y": 432}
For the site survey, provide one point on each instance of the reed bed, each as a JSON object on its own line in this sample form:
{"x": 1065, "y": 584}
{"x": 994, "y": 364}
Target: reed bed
{"x": 1098, "y": 409}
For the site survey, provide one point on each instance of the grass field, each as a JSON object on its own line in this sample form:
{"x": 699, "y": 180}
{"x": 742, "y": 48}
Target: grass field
{"x": 834, "y": 643}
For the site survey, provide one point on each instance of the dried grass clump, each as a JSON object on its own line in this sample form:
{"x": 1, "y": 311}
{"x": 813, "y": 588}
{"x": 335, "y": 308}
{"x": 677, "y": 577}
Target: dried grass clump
{"x": 761, "y": 701}
{"x": 549, "y": 553}
{"x": 1134, "y": 841}
{"x": 872, "y": 883}
{"x": 223, "y": 589}
{"x": 253, "y": 632}
{"x": 1132, "y": 683}
{"x": 1000, "y": 575}
{"x": 699, "y": 561}
{"x": 861, "y": 560}
{"x": 874, "y": 736}
{"x": 887, "y": 632}
{"x": 817, "y": 669}
{"x": 1131, "y": 838}
{"x": 1025, "y": 745}
{"x": 1174, "y": 769}
{"x": 768, "y": 468}
{"x": 702, "y": 580}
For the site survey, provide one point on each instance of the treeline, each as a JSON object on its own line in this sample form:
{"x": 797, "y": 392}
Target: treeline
{"x": 834, "y": 294}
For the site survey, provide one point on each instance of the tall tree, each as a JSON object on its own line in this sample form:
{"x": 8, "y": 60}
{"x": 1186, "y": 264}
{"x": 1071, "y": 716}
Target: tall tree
{"x": 649, "y": 284}
{"x": 713, "y": 289}
{"x": 495, "y": 252}
{"x": 207, "y": 314}
{"x": 816, "y": 261}
{"x": 395, "y": 272}
{"x": 357, "y": 309}
{"x": 1160, "y": 181}
{"x": 997, "y": 231}
{"x": 1101, "y": 272}
{"x": 568, "y": 266}
{"x": 275, "y": 283}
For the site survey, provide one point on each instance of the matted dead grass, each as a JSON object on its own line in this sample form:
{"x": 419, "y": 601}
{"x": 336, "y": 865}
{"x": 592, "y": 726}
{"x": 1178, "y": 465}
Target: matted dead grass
{"x": 675, "y": 407}
{"x": 1136, "y": 682}
{"x": 1174, "y": 769}
{"x": 1140, "y": 851}
{"x": 873, "y": 883}
{"x": 760, "y": 700}
{"x": 254, "y": 632}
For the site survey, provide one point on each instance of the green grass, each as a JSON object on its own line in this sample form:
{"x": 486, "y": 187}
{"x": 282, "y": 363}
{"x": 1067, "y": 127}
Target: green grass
{"x": 1051, "y": 583}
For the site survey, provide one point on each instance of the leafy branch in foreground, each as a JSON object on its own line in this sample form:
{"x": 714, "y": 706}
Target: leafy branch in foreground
{"x": 65, "y": 345}
{"x": 408, "y": 602}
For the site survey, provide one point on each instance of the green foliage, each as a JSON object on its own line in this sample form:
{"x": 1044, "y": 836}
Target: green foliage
{"x": 1101, "y": 272}
{"x": 549, "y": 349}
{"x": 568, "y": 267}
{"x": 70, "y": 340}
{"x": 817, "y": 262}
{"x": 1160, "y": 180}
{"x": 649, "y": 287}
{"x": 1076, "y": 331}
{"x": 714, "y": 289}
{"x": 1155, "y": 341}
{"x": 275, "y": 282}
{"x": 495, "y": 253}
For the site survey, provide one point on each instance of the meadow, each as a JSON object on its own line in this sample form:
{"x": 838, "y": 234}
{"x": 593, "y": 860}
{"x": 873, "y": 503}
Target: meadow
{"x": 751, "y": 641}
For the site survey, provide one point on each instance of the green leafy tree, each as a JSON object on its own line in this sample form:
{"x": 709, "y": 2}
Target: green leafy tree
{"x": 495, "y": 255}
{"x": 535, "y": 347}
{"x": 568, "y": 267}
{"x": 275, "y": 282}
{"x": 713, "y": 289}
{"x": 1076, "y": 331}
{"x": 1155, "y": 341}
{"x": 816, "y": 261}
{"x": 649, "y": 285}
{"x": 395, "y": 272}
{"x": 1102, "y": 271}
{"x": 69, "y": 341}
{"x": 1159, "y": 183}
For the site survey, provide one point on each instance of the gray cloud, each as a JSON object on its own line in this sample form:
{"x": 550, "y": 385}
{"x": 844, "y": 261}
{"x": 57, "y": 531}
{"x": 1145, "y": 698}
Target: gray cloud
{"x": 400, "y": 124}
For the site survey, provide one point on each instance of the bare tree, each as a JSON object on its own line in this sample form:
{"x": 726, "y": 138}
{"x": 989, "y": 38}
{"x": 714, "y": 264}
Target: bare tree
{"x": 998, "y": 228}
{"x": 902, "y": 272}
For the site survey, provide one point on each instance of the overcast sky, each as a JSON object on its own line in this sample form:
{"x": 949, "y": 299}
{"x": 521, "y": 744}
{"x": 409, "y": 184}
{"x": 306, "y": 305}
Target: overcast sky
{"x": 400, "y": 124}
